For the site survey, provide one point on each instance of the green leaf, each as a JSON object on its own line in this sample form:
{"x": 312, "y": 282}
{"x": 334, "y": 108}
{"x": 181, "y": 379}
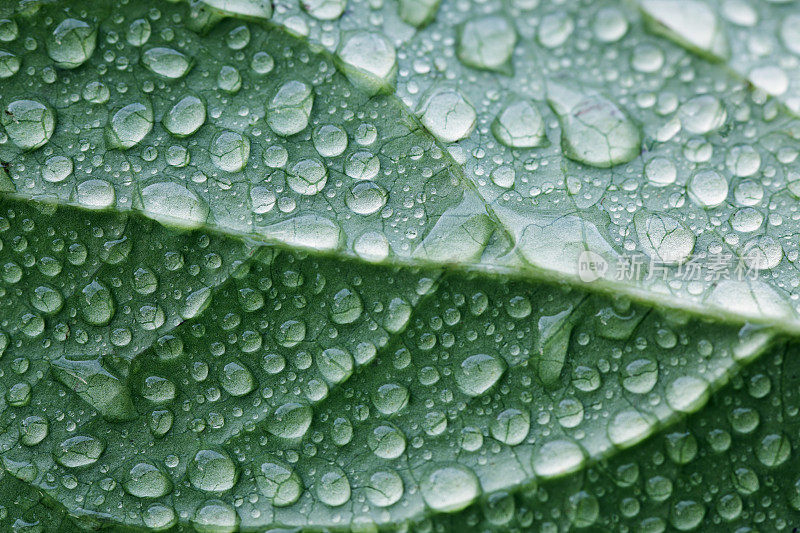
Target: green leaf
{"x": 362, "y": 266}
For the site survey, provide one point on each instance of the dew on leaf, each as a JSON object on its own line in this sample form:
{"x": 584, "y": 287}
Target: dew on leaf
{"x": 28, "y": 123}
{"x": 369, "y": 61}
{"x": 71, "y": 43}
{"x": 166, "y": 62}
{"x": 289, "y": 110}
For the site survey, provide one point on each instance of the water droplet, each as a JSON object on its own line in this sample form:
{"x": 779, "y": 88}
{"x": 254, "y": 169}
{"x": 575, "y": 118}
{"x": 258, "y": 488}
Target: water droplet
{"x": 663, "y": 238}
{"x": 139, "y": 32}
{"x": 385, "y": 488}
{"x": 33, "y": 430}
{"x": 238, "y": 38}
{"x": 660, "y": 171}
{"x": 773, "y": 450}
{"x": 790, "y": 32}
{"x": 478, "y": 373}
{"x": 29, "y": 124}
{"x": 687, "y": 393}
{"x": 146, "y": 481}
{"x": 708, "y": 188}
{"x": 519, "y": 125}
{"x": 96, "y": 386}
{"x": 78, "y": 451}
{"x": 185, "y": 117}
{"x": 9, "y": 64}
{"x": 159, "y": 517}
{"x": 279, "y": 482}
{"x": 366, "y": 198}
{"x": 594, "y": 130}
{"x": 262, "y": 63}
{"x": 47, "y": 299}
{"x": 369, "y": 61}
{"x": 390, "y": 398}
{"x": 640, "y": 376}
{"x": 329, "y": 140}
{"x": 447, "y": 114}
{"x": 212, "y": 471}
{"x": 166, "y": 62}
{"x": 386, "y": 441}
{"x": 333, "y": 487}
{"x": 511, "y": 426}
{"x": 290, "y": 420}
{"x": 449, "y": 488}
{"x": 97, "y": 304}
{"x": 487, "y": 43}
{"x": 690, "y": 23}
{"x": 236, "y": 379}
{"x": 362, "y": 165}
{"x": 215, "y": 516}
{"x": 557, "y": 458}
{"x": 95, "y": 194}
{"x": 324, "y": 9}
{"x": 173, "y": 204}
{"x": 418, "y": 13}
{"x": 308, "y": 177}
{"x": 229, "y": 151}
{"x": 610, "y": 24}
{"x": 229, "y": 79}
{"x": 289, "y": 110}
{"x": 743, "y": 160}
{"x": 747, "y": 220}
{"x": 555, "y": 28}
{"x": 687, "y": 515}
{"x": 71, "y": 43}
{"x": 57, "y": 168}
{"x": 129, "y": 125}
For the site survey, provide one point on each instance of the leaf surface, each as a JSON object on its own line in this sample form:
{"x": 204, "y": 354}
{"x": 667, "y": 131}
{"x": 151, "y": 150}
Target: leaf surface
{"x": 324, "y": 266}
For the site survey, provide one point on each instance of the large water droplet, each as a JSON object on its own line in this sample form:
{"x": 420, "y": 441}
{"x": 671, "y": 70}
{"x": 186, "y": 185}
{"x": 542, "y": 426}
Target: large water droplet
{"x": 96, "y": 386}
{"x": 365, "y": 198}
{"x": 129, "y": 125}
{"x": 307, "y": 231}
{"x": 594, "y": 130}
{"x": 702, "y": 114}
{"x": 290, "y": 420}
{"x": 708, "y": 188}
{"x": 385, "y": 488}
{"x": 369, "y": 61}
{"x": 215, "y": 516}
{"x": 487, "y": 43}
{"x": 71, "y": 43}
{"x": 236, "y": 379}
{"x": 519, "y": 125}
{"x": 212, "y": 471}
{"x": 447, "y": 114}
{"x": 663, "y": 238}
{"x": 289, "y": 110}
{"x": 229, "y": 151}
{"x": 97, "y": 304}
{"x": 185, "y": 117}
{"x": 78, "y": 451}
{"x": 690, "y": 23}
{"x": 333, "y": 487}
{"x": 146, "y": 481}
{"x": 28, "y": 123}
{"x": 279, "y": 482}
{"x": 478, "y": 373}
{"x": 449, "y": 488}
{"x": 307, "y": 177}
{"x": 166, "y": 62}
{"x": 173, "y": 204}
{"x": 557, "y": 458}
